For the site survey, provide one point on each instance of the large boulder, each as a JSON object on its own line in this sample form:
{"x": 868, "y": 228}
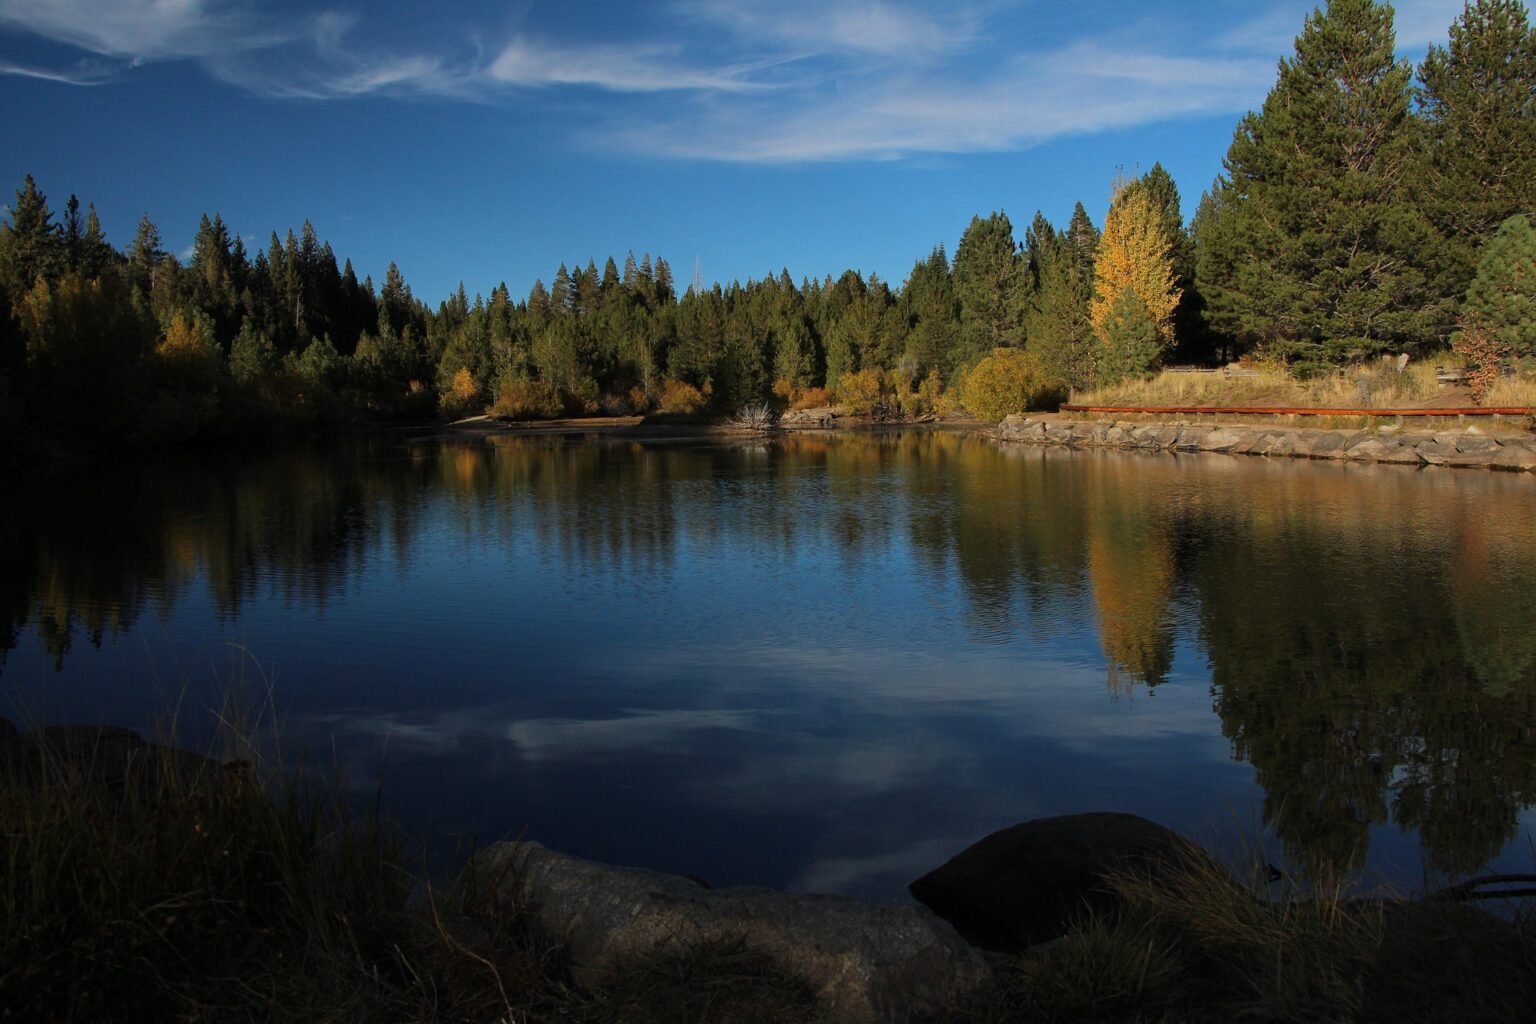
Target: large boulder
{"x": 1025, "y": 884}
{"x": 865, "y": 962}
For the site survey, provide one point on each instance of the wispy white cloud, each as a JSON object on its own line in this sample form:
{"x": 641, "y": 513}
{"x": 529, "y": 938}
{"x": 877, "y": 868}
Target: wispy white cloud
{"x": 1081, "y": 89}
{"x": 861, "y": 26}
{"x": 802, "y": 81}
{"x": 310, "y": 57}
{"x": 143, "y": 29}
{"x": 644, "y": 68}
{"x": 78, "y": 76}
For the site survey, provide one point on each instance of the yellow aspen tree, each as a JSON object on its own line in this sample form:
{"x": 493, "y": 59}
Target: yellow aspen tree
{"x": 1135, "y": 254}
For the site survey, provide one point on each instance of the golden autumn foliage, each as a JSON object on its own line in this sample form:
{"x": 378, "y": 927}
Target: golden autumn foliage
{"x": 522, "y": 398}
{"x": 861, "y": 392}
{"x": 1134, "y": 254}
{"x": 681, "y": 398}
{"x": 462, "y": 394}
{"x": 810, "y": 398}
{"x": 1133, "y": 575}
{"x": 188, "y": 342}
{"x": 1007, "y": 381}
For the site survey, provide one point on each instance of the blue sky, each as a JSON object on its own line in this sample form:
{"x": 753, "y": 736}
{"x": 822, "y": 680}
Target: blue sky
{"x": 483, "y": 141}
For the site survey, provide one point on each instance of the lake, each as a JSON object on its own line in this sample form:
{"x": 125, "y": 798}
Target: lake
{"x": 821, "y": 662}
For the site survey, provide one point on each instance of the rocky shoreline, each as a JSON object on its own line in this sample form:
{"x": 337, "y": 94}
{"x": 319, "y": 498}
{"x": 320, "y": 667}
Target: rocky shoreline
{"x": 1463, "y": 449}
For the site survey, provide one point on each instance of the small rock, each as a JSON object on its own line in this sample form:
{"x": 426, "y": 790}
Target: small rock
{"x": 1400, "y": 455}
{"x": 1516, "y": 457}
{"x": 1473, "y": 444}
{"x": 1223, "y": 439}
{"x": 1324, "y": 444}
{"x": 1192, "y": 439}
{"x": 1435, "y": 452}
{"x": 1371, "y": 448}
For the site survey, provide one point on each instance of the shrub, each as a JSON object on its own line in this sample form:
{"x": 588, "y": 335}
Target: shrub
{"x": 639, "y": 400}
{"x": 461, "y": 394}
{"x": 522, "y": 398}
{"x": 584, "y": 397}
{"x": 1008, "y": 381}
{"x": 860, "y": 393}
{"x": 1485, "y": 351}
{"x": 811, "y": 398}
{"x": 681, "y": 398}
{"x": 926, "y": 398}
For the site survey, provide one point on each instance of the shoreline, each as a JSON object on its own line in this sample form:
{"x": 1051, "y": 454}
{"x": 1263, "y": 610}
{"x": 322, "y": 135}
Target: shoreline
{"x": 1466, "y": 449}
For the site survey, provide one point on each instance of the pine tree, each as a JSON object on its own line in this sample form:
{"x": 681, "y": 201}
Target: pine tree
{"x": 932, "y": 313}
{"x": 30, "y": 243}
{"x": 1323, "y": 254}
{"x": 1135, "y": 256}
{"x": 1130, "y": 338}
{"x": 1478, "y": 99}
{"x": 96, "y": 253}
{"x": 1502, "y": 298}
{"x": 989, "y": 283}
{"x": 72, "y": 233}
{"x": 794, "y": 358}
{"x": 1082, "y": 239}
{"x": 1057, "y": 324}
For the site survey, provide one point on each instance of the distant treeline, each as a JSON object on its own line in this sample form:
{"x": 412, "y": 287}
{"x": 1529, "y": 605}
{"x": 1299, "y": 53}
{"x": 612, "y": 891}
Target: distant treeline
{"x": 1368, "y": 207}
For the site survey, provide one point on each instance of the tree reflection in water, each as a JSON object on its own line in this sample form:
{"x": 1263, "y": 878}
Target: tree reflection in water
{"x": 1370, "y": 632}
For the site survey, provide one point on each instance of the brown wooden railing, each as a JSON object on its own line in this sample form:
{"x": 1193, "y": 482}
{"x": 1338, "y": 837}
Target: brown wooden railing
{"x": 1262, "y": 410}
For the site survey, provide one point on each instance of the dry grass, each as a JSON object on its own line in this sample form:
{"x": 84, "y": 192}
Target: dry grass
{"x": 170, "y": 887}
{"x": 1513, "y": 390}
{"x": 1196, "y": 944}
{"x": 1375, "y": 385}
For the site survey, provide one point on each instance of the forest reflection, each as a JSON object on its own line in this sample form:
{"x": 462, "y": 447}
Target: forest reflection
{"x": 1370, "y": 634}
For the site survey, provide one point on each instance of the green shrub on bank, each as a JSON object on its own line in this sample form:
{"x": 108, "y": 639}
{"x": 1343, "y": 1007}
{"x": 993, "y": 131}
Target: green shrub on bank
{"x": 1007, "y": 381}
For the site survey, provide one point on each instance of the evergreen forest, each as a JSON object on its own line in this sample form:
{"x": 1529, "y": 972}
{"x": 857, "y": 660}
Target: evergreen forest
{"x": 1369, "y": 207}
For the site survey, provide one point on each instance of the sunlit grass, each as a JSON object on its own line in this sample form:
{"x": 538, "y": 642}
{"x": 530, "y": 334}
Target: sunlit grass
{"x": 1373, "y": 385}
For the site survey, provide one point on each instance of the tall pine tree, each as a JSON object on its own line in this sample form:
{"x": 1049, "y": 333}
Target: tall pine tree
{"x": 1322, "y": 254}
{"x": 989, "y": 282}
{"x": 1479, "y": 105}
{"x": 1057, "y": 325}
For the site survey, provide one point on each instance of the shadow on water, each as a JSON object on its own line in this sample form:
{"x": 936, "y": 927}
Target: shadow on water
{"x": 823, "y": 662}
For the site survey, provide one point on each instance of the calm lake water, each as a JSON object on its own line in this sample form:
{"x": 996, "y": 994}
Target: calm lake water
{"x": 819, "y": 663}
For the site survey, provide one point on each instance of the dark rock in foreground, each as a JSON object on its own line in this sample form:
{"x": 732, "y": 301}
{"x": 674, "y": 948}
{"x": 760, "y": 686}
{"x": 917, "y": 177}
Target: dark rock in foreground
{"x": 1027, "y": 883}
{"x": 865, "y": 962}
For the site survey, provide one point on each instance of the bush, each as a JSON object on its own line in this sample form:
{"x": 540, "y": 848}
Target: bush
{"x": 461, "y": 395}
{"x": 1484, "y": 350}
{"x": 1008, "y": 381}
{"x": 925, "y": 399}
{"x": 811, "y": 398}
{"x": 522, "y": 398}
{"x": 860, "y": 393}
{"x": 584, "y": 397}
{"x": 681, "y": 398}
